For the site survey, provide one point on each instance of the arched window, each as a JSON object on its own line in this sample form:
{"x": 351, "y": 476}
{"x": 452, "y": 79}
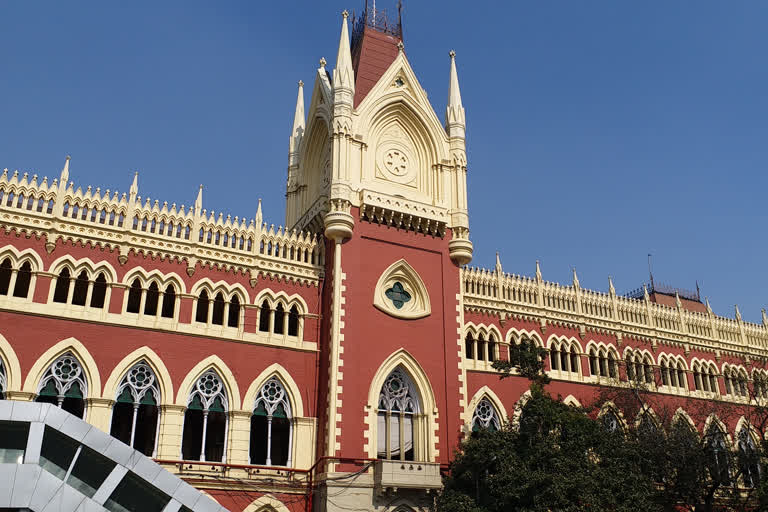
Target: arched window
{"x": 397, "y": 411}
{"x": 202, "y": 308}
{"x": 491, "y": 348}
{"x": 293, "y": 321}
{"x": 64, "y": 385}
{"x": 135, "y": 414}
{"x": 233, "y": 316}
{"x": 218, "y": 310}
{"x": 610, "y": 421}
{"x": 134, "y": 297}
{"x": 719, "y": 457}
{"x": 485, "y": 417}
{"x": 5, "y": 275}
{"x": 469, "y": 346}
{"x": 271, "y": 426}
{"x": 23, "y": 279}
{"x": 152, "y": 299}
{"x": 481, "y": 348}
{"x": 205, "y": 420}
{"x": 80, "y": 292}
{"x": 169, "y": 302}
{"x": 647, "y": 426}
{"x": 61, "y": 292}
{"x": 99, "y": 291}
{"x": 279, "y": 323}
{"x": 574, "y": 360}
{"x": 554, "y": 357}
{"x": 264, "y": 317}
{"x": 749, "y": 459}
{"x": 593, "y": 363}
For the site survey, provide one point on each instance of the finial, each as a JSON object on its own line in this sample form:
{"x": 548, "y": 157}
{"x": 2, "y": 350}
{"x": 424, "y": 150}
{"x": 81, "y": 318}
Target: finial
{"x": 611, "y": 289}
{"x": 765, "y": 318}
{"x": 498, "y": 263}
{"x": 709, "y": 308}
{"x": 65, "y": 171}
{"x": 645, "y": 293}
{"x": 677, "y": 300}
{"x": 452, "y": 54}
{"x": 400, "y": 46}
{"x": 199, "y": 200}
{"x": 343, "y": 72}
{"x": 323, "y": 62}
{"x": 301, "y": 83}
{"x": 345, "y": 13}
{"x": 259, "y": 217}
{"x": 575, "y": 277}
{"x": 538, "y": 270}
{"x": 738, "y": 313}
{"x": 135, "y": 185}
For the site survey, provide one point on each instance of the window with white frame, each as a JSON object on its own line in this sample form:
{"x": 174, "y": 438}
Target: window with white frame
{"x": 564, "y": 357}
{"x": 705, "y": 377}
{"x": 15, "y": 282}
{"x": 673, "y": 373}
{"x": 80, "y": 290}
{"x": 135, "y": 414}
{"x": 735, "y": 382}
{"x": 602, "y": 363}
{"x": 639, "y": 368}
{"x": 154, "y": 300}
{"x": 64, "y": 385}
{"x": 271, "y": 429}
{"x": 205, "y": 420}
{"x": 224, "y": 311}
{"x": 279, "y": 319}
{"x": 485, "y": 417}
{"x": 398, "y": 411}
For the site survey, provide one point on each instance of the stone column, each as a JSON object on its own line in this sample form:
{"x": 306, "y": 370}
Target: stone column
{"x": 171, "y": 426}
{"x": 239, "y": 437}
{"x": 99, "y": 413}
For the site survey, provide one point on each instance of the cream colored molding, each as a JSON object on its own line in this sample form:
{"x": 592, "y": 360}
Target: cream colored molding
{"x": 401, "y": 272}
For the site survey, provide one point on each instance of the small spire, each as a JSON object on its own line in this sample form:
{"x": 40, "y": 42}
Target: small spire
{"x": 135, "y": 185}
{"x": 611, "y": 289}
{"x": 538, "y": 271}
{"x": 645, "y": 293}
{"x": 65, "y": 171}
{"x": 259, "y": 217}
{"x": 738, "y": 313}
{"x": 323, "y": 62}
{"x": 199, "y": 201}
{"x": 455, "y": 119}
{"x": 575, "y": 278}
{"x": 299, "y": 124}
{"x": 677, "y": 300}
{"x": 765, "y": 318}
{"x": 498, "y": 263}
{"x": 709, "y": 308}
{"x": 343, "y": 73}
{"x": 400, "y": 47}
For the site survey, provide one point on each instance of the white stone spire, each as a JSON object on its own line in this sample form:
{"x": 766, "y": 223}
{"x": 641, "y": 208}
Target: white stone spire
{"x": 259, "y": 216}
{"x": 134, "y": 190}
{"x": 343, "y": 74}
{"x": 299, "y": 124}
{"x": 498, "y": 263}
{"x": 199, "y": 201}
{"x": 65, "y": 171}
{"x": 455, "y": 119}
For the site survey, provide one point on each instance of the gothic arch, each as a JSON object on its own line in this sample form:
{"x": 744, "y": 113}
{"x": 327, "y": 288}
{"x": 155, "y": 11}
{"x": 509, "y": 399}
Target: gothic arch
{"x": 266, "y": 503}
{"x": 164, "y": 279}
{"x": 682, "y": 415}
{"x": 572, "y": 401}
{"x": 227, "y": 289}
{"x": 12, "y": 367}
{"x": 90, "y": 368}
{"x": 226, "y": 375}
{"x": 402, "y": 359}
{"x": 273, "y": 297}
{"x": 21, "y": 256}
{"x": 76, "y": 266}
{"x": 293, "y": 391}
{"x": 610, "y": 407}
{"x": 487, "y": 393}
{"x": 514, "y": 335}
{"x": 568, "y": 340}
{"x": 713, "y": 421}
{"x": 149, "y": 356}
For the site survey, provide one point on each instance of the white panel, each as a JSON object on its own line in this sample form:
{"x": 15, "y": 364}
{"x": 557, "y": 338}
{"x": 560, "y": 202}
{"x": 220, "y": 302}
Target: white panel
{"x": 47, "y": 485}
{"x": 34, "y": 442}
{"x": 66, "y": 499}
{"x": 166, "y": 482}
{"x": 7, "y": 478}
{"x": 109, "y": 484}
{"x": 147, "y": 469}
{"x": 24, "y": 486}
{"x": 25, "y": 411}
{"x": 119, "y": 452}
{"x": 97, "y": 440}
{"x": 75, "y": 428}
{"x": 55, "y": 417}
{"x": 172, "y": 506}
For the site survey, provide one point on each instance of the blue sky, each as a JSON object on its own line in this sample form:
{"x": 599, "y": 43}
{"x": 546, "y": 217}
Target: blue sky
{"x": 598, "y": 131}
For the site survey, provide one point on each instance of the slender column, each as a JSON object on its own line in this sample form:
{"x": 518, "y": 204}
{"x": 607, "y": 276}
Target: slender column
{"x": 269, "y": 440}
{"x": 205, "y": 431}
{"x": 133, "y": 423}
{"x": 388, "y": 433}
{"x": 401, "y": 428}
{"x": 88, "y": 293}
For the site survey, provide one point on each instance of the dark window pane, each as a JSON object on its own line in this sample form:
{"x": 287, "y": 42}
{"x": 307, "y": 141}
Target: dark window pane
{"x": 122, "y": 419}
{"x": 90, "y": 471}
{"x": 258, "y": 439}
{"x": 264, "y": 317}
{"x": 169, "y": 302}
{"x": 23, "y": 278}
{"x": 134, "y": 297}
{"x": 281, "y": 428}
{"x": 279, "y": 319}
{"x": 57, "y": 452}
{"x": 5, "y": 276}
{"x": 99, "y": 292}
{"x": 214, "y": 436}
{"x": 218, "y": 310}
{"x": 293, "y": 322}
{"x": 202, "y": 308}
{"x": 81, "y": 289}
{"x": 134, "y": 494}
{"x": 234, "y": 312}
{"x": 191, "y": 444}
{"x": 152, "y": 299}
{"x": 146, "y": 429}
{"x": 61, "y": 291}
{"x": 13, "y": 441}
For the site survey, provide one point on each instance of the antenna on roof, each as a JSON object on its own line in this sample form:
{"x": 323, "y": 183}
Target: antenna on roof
{"x": 400, "y": 17}
{"x": 698, "y": 292}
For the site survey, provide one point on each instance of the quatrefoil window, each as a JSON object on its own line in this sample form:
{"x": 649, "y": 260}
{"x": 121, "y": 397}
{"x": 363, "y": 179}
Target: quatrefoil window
{"x": 398, "y": 295}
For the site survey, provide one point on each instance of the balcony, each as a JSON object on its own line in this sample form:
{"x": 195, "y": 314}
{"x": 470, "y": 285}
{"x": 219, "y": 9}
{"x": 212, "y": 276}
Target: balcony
{"x": 395, "y": 474}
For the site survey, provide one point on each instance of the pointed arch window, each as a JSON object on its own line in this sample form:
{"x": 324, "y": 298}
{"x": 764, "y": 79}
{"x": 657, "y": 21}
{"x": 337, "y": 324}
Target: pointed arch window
{"x": 749, "y": 459}
{"x": 23, "y": 280}
{"x": 279, "y": 323}
{"x": 64, "y": 385}
{"x": 99, "y": 291}
{"x": 469, "y": 347}
{"x": 218, "y": 310}
{"x": 398, "y": 413}
{"x": 169, "y": 302}
{"x": 135, "y": 414}
{"x": 719, "y": 456}
{"x": 293, "y": 321}
{"x": 134, "y": 297}
{"x": 152, "y": 299}
{"x": 201, "y": 315}
{"x": 264, "y": 314}
{"x": 271, "y": 432}
{"x": 80, "y": 293}
{"x": 205, "y": 420}
{"x": 485, "y": 417}
{"x": 61, "y": 292}
{"x": 610, "y": 421}
{"x": 5, "y": 275}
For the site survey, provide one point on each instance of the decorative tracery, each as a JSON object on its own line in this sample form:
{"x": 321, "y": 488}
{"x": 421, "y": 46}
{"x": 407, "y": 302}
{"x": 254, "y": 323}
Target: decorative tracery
{"x": 397, "y": 411}
{"x": 64, "y": 385}
{"x": 205, "y": 421}
{"x": 135, "y": 415}
{"x": 485, "y": 416}
{"x": 271, "y": 431}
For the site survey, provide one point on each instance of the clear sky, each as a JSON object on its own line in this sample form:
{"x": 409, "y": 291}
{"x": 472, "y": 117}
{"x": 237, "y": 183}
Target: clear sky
{"x": 598, "y": 131}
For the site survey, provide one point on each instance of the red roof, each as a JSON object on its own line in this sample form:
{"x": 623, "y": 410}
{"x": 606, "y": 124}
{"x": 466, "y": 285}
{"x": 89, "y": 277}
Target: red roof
{"x": 372, "y": 54}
